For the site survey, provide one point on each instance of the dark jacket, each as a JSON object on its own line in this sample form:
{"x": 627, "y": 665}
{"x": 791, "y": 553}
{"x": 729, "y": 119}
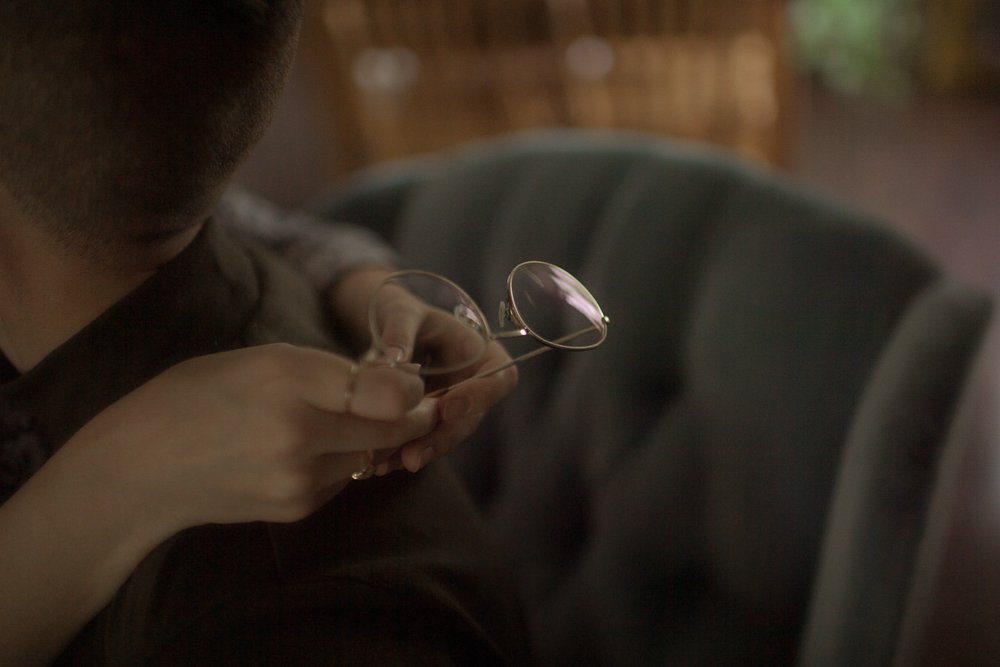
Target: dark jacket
{"x": 392, "y": 571}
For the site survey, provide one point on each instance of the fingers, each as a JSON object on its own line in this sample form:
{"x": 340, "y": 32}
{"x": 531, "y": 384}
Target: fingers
{"x": 462, "y": 409}
{"x": 478, "y": 394}
{"x": 332, "y": 383}
{"x": 382, "y": 393}
{"x": 400, "y": 316}
{"x": 361, "y": 434}
{"x": 400, "y": 320}
{"x": 447, "y": 341}
{"x": 357, "y": 409}
{"x": 333, "y": 433}
{"x": 333, "y": 450}
{"x": 415, "y": 455}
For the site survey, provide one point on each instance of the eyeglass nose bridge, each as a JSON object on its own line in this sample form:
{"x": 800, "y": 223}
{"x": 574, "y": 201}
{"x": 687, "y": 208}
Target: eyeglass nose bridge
{"x": 505, "y": 314}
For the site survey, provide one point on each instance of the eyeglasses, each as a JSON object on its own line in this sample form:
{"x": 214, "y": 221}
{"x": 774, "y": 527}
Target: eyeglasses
{"x": 543, "y": 302}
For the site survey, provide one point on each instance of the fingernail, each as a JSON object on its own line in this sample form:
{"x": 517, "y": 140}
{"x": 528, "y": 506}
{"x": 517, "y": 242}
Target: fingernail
{"x": 381, "y": 358}
{"x": 456, "y": 408}
{"x": 426, "y": 457}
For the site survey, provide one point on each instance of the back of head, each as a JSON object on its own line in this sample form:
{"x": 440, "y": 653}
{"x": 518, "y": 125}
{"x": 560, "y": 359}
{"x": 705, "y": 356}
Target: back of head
{"x": 122, "y": 119}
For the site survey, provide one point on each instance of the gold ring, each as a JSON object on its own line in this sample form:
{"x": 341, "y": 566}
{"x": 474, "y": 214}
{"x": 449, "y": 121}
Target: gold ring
{"x": 352, "y": 382}
{"x": 369, "y": 468}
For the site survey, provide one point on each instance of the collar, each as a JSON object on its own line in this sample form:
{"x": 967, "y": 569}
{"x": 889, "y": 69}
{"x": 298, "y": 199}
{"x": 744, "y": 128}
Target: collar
{"x": 197, "y": 303}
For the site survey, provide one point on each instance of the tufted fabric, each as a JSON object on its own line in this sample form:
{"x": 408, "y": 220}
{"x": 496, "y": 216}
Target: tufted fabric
{"x": 741, "y": 474}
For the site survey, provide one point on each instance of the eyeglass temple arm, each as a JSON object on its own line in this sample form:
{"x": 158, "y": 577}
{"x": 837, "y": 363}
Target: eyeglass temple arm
{"x": 492, "y": 371}
{"x": 507, "y": 364}
{"x": 518, "y": 333}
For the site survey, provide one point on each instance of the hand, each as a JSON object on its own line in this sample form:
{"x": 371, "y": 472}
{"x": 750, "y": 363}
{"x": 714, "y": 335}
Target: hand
{"x": 252, "y": 434}
{"x": 460, "y": 411}
{"x": 407, "y": 321}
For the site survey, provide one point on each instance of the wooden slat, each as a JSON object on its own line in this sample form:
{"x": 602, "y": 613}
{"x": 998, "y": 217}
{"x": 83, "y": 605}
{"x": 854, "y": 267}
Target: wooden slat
{"x": 712, "y": 70}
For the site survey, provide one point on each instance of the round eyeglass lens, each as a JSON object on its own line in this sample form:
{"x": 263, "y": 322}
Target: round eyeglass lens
{"x": 555, "y": 307}
{"x": 440, "y": 347}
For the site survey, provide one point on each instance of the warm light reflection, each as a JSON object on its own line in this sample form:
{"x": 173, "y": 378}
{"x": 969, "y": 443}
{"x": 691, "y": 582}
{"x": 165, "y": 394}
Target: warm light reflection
{"x": 388, "y": 70}
{"x": 590, "y": 58}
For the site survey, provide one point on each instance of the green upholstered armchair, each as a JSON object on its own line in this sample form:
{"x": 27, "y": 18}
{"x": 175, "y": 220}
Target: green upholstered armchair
{"x": 741, "y": 475}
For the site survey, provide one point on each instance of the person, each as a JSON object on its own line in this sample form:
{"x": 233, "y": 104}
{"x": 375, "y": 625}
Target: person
{"x": 179, "y": 431}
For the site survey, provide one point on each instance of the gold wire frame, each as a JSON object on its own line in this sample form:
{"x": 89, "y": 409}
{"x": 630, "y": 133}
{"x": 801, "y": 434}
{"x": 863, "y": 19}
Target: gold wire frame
{"x": 509, "y": 312}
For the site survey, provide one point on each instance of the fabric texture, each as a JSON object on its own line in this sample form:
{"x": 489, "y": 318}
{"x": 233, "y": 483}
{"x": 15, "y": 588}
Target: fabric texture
{"x": 322, "y": 252}
{"x": 741, "y": 473}
{"x": 22, "y": 452}
{"x": 395, "y": 570}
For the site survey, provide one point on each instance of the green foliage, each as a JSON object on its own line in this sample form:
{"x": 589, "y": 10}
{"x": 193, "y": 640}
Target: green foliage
{"x": 863, "y": 47}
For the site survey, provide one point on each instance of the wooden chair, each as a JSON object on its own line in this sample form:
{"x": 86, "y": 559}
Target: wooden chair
{"x": 403, "y": 77}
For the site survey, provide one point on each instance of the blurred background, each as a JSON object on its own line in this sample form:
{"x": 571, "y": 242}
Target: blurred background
{"x": 892, "y": 106}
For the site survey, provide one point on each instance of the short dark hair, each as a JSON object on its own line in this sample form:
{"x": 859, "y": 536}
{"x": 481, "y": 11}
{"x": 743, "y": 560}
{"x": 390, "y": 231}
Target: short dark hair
{"x": 114, "y": 112}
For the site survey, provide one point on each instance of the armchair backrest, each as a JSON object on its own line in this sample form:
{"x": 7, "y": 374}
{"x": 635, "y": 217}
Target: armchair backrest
{"x": 742, "y": 473}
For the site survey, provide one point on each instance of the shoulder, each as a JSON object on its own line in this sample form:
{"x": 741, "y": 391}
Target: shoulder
{"x": 287, "y": 308}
